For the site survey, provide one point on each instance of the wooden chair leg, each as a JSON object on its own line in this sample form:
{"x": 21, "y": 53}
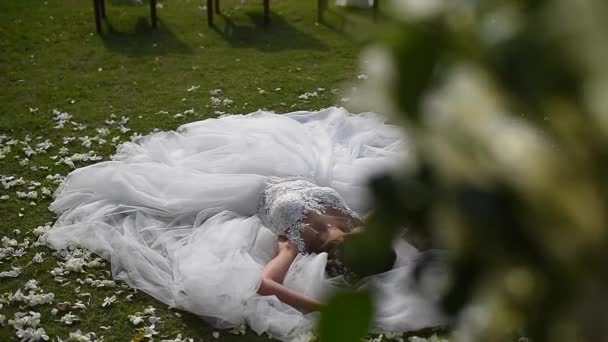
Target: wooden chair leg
{"x": 321, "y": 6}
{"x": 102, "y": 7}
{"x": 210, "y": 13}
{"x": 376, "y": 9}
{"x": 153, "y": 16}
{"x": 217, "y": 6}
{"x": 266, "y": 12}
{"x": 97, "y": 10}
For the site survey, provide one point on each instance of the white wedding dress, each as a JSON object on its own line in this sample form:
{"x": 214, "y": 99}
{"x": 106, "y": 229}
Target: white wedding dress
{"x": 188, "y": 216}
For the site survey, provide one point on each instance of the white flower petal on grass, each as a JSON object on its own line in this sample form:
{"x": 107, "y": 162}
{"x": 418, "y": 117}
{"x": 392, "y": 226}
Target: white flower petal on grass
{"x": 193, "y": 88}
{"x": 61, "y": 118}
{"x": 58, "y": 278}
{"x": 108, "y": 301}
{"x": 22, "y": 320}
{"x": 31, "y": 284}
{"x": 78, "y": 126}
{"x": 136, "y": 320}
{"x": 149, "y": 331}
{"x": 123, "y": 129}
{"x": 215, "y": 101}
{"x": 178, "y": 338}
{"x": 75, "y": 264}
{"x": 77, "y": 336}
{"x": 16, "y": 297}
{"x": 85, "y": 141}
{"x": 40, "y": 299}
{"x": 308, "y": 95}
{"x": 38, "y": 258}
{"x": 79, "y": 305}
{"x": 29, "y": 334}
{"x": 14, "y": 273}
{"x": 150, "y": 310}
{"x": 68, "y": 319}
{"x": 238, "y": 330}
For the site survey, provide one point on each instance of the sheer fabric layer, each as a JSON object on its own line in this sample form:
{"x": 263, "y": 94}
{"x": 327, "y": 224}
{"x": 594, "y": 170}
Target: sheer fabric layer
{"x": 175, "y": 213}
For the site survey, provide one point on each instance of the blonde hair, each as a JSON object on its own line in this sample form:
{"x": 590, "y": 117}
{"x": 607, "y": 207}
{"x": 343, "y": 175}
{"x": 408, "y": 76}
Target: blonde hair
{"x": 355, "y": 231}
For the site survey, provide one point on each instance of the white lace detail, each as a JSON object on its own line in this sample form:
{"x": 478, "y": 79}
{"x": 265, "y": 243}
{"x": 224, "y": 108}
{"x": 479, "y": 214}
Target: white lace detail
{"x": 285, "y": 203}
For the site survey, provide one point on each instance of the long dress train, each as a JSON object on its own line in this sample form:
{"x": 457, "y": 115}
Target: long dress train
{"x": 174, "y": 213}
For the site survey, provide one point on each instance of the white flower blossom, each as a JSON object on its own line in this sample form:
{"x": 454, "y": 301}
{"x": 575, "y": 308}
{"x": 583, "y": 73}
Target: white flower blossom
{"x": 85, "y": 141}
{"x": 150, "y": 310}
{"x": 75, "y": 264}
{"x": 136, "y": 320}
{"x": 22, "y": 320}
{"x": 38, "y": 258}
{"x": 61, "y": 118}
{"x": 108, "y": 301}
{"x": 39, "y": 299}
{"x": 149, "y": 331}
{"x": 29, "y": 334}
{"x": 154, "y": 319}
{"x": 68, "y": 319}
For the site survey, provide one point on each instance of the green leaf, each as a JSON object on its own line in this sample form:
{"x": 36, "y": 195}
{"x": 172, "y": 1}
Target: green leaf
{"x": 347, "y": 317}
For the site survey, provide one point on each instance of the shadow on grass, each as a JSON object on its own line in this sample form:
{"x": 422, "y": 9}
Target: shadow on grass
{"x": 144, "y": 40}
{"x": 276, "y": 36}
{"x": 348, "y": 20}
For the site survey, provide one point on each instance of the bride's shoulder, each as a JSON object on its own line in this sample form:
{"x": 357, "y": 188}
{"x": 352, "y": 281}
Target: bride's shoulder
{"x": 286, "y": 245}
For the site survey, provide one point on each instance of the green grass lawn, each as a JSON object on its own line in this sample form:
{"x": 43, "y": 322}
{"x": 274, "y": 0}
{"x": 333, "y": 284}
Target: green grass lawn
{"x": 51, "y": 58}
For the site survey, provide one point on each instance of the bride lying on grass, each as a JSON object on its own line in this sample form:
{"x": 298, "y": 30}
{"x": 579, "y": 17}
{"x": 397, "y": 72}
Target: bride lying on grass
{"x": 235, "y": 218}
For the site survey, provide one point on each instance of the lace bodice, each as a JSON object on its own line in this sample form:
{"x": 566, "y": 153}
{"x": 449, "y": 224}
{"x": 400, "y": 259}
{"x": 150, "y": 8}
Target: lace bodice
{"x": 285, "y": 203}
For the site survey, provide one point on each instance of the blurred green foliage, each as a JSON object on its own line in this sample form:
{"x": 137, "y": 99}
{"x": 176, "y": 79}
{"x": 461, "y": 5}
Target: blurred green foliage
{"x": 507, "y": 106}
{"x": 347, "y": 317}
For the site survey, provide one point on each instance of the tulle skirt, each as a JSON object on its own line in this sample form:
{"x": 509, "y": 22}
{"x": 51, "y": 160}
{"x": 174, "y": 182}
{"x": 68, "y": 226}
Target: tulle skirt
{"x": 174, "y": 213}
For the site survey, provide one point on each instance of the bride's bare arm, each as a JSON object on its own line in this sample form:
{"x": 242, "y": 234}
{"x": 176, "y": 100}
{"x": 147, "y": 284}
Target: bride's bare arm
{"x": 274, "y": 273}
